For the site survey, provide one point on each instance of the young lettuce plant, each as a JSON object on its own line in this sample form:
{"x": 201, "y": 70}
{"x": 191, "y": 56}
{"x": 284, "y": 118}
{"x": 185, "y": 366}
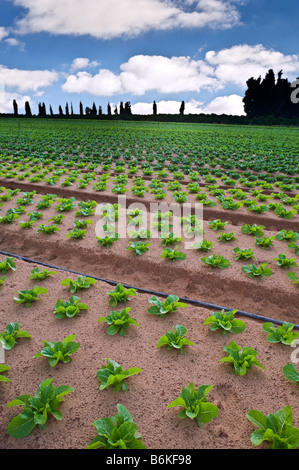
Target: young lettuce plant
{"x": 170, "y": 305}
{"x": 12, "y": 332}
{"x": 276, "y": 428}
{"x": 38, "y": 275}
{"x": 119, "y": 321}
{"x": 226, "y": 237}
{"x": 56, "y": 351}
{"x": 287, "y": 236}
{"x": 216, "y": 261}
{"x": 243, "y": 254}
{"x": 142, "y": 233}
{"x": 45, "y": 401}
{"x": 291, "y": 373}
{"x": 76, "y": 233}
{"x": 113, "y": 375}
{"x": 293, "y": 277}
{"x": 118, "y": 432}
{"x": 256, "y": 230}
{"x": 284, "y": 262}
{"x": 139, "y": 248}
{"x": 281, "y": 334}
{"x": 82, "y": 282}
{"x": 294, "y": 247}
{"x": 241, "y": 359}
{"x": 107, "y": 240}
{"x": 4, "y": 368}
{"x": 204, "y": 245}
{"x": 8, "y": 264}
{"x": 48, "y": 229}
{"x": 30, "y": 295}
{"x": 173, "y": 255}
{"x": 257, "y": 272}
{"x": 2, "y": 279}
{"x": 170, "y": 239}
{"x": 226, "y": 322}
{"x": 195, "y": 404}
{"x": 69, "y": 309}
{"x": 120, "y": 294}
{"x": 264, "y": 242}
{"x": 174, "y": 339}
{"x": 57, "y": 219}
{"x": 26, "y": 225}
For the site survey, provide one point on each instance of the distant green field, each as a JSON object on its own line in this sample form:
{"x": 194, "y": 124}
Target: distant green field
{"x": 246, "y": 148}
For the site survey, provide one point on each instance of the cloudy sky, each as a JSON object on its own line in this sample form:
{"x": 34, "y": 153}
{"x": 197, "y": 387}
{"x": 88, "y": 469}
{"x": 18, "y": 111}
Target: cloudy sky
{"x": 199, "y": 51}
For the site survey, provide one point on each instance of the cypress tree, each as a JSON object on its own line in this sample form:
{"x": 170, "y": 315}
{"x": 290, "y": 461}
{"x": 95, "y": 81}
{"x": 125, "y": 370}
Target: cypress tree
{"x": 15, "y": 108}
{"x": 27, "y": 109}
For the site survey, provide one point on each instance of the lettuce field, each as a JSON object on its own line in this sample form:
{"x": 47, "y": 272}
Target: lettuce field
{"x": 149, "y": 285}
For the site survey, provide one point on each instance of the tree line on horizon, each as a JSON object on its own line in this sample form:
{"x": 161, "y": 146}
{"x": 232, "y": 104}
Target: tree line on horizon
{"x": 123, "y": 110}
{"x": 265, "y": 97}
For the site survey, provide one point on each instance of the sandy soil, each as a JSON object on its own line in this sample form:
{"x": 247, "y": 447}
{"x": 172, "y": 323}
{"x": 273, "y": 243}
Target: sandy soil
{"x": 164, "y": 372}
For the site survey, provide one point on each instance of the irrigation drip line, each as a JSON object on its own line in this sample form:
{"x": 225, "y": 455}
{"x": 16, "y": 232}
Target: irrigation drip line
{"x": 198, "y": 303}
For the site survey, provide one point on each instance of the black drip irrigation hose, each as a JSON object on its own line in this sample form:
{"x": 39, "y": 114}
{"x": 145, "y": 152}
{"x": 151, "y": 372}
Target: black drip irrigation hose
{"x": 198, "y": 303}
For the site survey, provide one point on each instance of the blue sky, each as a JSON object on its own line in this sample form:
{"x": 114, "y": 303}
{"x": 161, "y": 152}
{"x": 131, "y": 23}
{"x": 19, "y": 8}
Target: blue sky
{"x": 199, "y": 51}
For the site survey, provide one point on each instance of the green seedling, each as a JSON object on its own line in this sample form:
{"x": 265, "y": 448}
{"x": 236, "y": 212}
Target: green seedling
{"x": 119, "y": 321}
{"x": 276, "y": 428}
{"x": 30, "y": 295}
{"x": 4, "y": 368}
{"x": 38, "y": 275}
{"x": 195, "y": 404}
{"x": 56, "y": 351}
{"x": 12, "y": 332}
{"x": 226, "y": 322}
{"x": 8, "y": 264}
{"x": 113, "y": 375}
{"x": 118, "y": 432}
{"x": 68, "y": 309}
{"x": 120, "y": 294}
{"x": 174, "y": 339}
{"x": 45, "y": 401}
{"x": 82, "y": 282}
{"x": 257, "y": 272}
{"x": 170, "y": 305}
{"x": 241, "y": 359}
{"x": 281, "y": 334}
{"x": 284, "y": 262}
{"x": 216, "y": 261}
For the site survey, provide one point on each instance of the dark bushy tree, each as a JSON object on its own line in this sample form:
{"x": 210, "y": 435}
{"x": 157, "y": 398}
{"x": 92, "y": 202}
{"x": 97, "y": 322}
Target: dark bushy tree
{"x": 154, "y": 108}
{"x": 269, "y": 97}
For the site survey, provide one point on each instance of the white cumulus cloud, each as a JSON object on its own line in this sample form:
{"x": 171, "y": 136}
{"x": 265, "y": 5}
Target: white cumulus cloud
{"x": 83, "y": 63}
{"x": 108, "y": 19}
{"x": 144, "y": 73}
{"x": 238, "y": 63}
{"x": 26, "y": 80}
